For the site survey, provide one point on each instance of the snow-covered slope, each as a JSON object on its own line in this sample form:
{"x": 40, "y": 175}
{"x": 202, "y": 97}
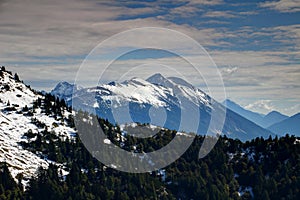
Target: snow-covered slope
{"x": 163, "y": 102}
{"x": 15, "y": 92}
{"x": 16, "y": 116}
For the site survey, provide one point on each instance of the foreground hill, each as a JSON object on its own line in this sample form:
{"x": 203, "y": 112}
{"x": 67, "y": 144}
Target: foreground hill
{"x": 22, "y": 113}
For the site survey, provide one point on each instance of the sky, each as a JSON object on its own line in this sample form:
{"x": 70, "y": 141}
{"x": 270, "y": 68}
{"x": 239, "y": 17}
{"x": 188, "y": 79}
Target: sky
{"x": 255, "y": 44}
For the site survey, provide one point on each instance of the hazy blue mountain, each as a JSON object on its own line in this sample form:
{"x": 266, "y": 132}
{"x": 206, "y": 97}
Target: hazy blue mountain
{"x": 252, "y": 116}
{"x": 258, "y": 118}
{"x": 159, "y": 101}
{"x": 290, "y": 125}
{"x": 273, "y": 118}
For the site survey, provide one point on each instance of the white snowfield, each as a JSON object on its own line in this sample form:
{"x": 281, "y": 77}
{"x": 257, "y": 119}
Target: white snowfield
{"x": 13, "y": 125}
{"x": 156, "y": 91}
{"x": 141, "y": 91}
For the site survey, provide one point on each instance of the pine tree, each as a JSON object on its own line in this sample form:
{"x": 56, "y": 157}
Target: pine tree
{"x": 6, "y": 179}
{"x": 16, "y": 77}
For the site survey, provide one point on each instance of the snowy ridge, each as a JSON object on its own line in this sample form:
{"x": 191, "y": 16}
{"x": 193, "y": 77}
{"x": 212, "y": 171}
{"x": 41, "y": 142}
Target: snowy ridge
{"x": 139, "y": 91}
{"x": 18, "y": 159}
{"x": 15, "y": 92}
{"x": 14, "y": 122}
{"x": 180, "y": 87}
{"x": 156, "y": 91}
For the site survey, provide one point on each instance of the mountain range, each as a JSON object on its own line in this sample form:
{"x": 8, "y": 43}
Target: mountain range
{"x": 160, "y": 101}
{"x": 274, "y": 121}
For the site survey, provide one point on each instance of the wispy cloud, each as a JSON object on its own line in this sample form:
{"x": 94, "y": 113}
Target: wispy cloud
{"x": 228, "y": 70}
{"x": 63, "y": 28}
{"x": 285, "y": 38}
{"x": 203, "y": 2}
{"x": 218, "y": 14}
{"x": 292, "y": 109}
{"x": 282, "y": 5}
{"x": 264, "y": 106}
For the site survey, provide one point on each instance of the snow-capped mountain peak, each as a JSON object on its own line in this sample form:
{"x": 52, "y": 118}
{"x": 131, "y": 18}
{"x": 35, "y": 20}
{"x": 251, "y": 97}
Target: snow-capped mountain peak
{"x": 65, "y": 88}
{"x": 160, "y": 101}
{"x": 159, "y": 79}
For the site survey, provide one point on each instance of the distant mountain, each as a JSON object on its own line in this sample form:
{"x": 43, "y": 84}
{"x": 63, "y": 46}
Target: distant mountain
{"x": 156, "y": 100}
{"x": 64, "y": 89}
{"x": 252, "y": 116}
{"x": 290, "y": 125}
{"x": 273, "y": 118}
{"x": 260, "y": 119}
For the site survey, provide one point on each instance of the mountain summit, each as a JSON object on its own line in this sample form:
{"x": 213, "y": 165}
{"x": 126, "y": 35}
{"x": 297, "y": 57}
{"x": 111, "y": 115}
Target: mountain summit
{"x": 64, "y": 89}
{"x": 273, "y": 117}
{"x": 159, "y": 79}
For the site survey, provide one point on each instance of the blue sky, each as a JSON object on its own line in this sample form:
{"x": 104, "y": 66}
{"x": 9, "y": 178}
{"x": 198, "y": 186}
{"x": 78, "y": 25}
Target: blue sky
{"x": 255, "y": 44}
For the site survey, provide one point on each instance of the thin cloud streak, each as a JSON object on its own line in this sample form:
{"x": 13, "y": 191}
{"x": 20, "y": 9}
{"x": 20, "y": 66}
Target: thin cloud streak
{"x": 261, "y": 105}
{"x": 282, "y": 5}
